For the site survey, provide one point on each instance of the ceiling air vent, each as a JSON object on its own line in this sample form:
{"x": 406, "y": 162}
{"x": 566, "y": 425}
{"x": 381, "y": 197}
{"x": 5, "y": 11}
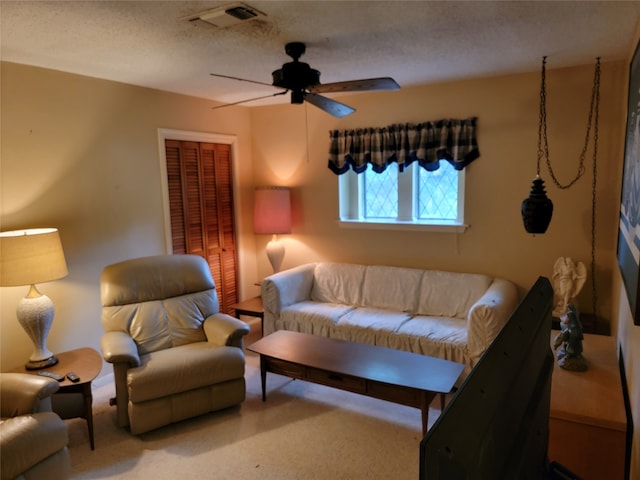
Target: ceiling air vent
{"x": 227, "y": 15}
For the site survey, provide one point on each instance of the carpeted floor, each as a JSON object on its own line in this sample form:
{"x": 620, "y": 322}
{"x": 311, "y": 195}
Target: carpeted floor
{"x": 303, "y": 431}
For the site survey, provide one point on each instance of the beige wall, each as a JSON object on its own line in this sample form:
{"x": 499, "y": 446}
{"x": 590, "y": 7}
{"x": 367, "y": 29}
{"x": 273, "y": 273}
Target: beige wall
{"x": 82, "y": 155}
{"x": 290, "y": 145}
{"x": 290, "y": 148}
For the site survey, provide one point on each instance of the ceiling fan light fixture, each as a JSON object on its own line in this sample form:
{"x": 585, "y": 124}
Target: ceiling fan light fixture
{"x": 304, "y": 84}
{"x": 296, "y": 76}
{"x": 297, "y": 96}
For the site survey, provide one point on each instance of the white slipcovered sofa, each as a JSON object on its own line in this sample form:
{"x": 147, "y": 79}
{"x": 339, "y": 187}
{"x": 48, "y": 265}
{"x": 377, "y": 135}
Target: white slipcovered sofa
{"x": 449, "y": 315}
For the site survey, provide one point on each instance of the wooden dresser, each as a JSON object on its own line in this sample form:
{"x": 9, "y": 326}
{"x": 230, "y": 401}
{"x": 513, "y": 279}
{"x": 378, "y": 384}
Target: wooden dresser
{"x": 587, "y": 424}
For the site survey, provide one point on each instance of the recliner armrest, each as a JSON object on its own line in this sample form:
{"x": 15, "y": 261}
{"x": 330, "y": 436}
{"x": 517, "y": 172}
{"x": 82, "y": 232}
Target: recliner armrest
{"x": 222, "y": 329}
{"x": 22, "y": 393}
{"x": 119, "y": 347}
{"x": 29, "y": 439}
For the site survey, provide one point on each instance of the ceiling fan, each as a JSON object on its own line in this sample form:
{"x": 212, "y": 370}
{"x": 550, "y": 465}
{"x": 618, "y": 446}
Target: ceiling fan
{"x": 304, "y": 84}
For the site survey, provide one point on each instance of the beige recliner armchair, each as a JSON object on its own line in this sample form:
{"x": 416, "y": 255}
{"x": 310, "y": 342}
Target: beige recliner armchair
{"x": 174, "y": 355}
{"x": 33, "y": 440}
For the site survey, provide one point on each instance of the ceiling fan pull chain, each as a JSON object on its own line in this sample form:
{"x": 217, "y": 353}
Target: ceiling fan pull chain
{"x": 542, "y": 132}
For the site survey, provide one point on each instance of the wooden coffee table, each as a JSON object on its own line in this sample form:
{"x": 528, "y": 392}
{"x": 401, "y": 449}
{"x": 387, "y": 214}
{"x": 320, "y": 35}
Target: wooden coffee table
{"x": 401, "y": 377}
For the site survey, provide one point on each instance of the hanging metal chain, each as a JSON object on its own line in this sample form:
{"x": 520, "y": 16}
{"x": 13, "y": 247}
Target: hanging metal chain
{"x": 543, "y": 151}
{"x": 596, "y": 88}
{"x": 542, "y": 124}
{"x": 542, "y": 129}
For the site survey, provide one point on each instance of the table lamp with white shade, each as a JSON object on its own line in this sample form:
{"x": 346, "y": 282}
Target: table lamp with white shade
{"x": 272, "y": 216}
{"x": 28, "y": 257}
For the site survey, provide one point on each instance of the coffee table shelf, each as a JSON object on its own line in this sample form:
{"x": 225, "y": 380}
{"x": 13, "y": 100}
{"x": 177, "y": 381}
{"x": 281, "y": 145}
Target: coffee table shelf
{"x": 400, "y": 377}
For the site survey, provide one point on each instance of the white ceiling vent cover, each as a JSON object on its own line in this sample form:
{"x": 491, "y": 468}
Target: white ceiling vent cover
{"x": 228, "y": 15}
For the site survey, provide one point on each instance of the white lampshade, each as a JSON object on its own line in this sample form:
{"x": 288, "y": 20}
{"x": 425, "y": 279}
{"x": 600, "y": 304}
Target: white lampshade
{"x": 31, "y": 256}
{"x": 272, "y": 210}
{"x": 28, "y": 257}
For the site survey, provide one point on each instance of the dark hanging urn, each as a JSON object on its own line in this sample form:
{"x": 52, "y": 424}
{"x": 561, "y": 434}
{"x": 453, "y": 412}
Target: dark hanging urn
{"x": 537, "y": 209}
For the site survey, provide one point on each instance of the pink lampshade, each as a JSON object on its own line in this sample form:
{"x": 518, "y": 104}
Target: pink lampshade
{"x": 272, "y": 210}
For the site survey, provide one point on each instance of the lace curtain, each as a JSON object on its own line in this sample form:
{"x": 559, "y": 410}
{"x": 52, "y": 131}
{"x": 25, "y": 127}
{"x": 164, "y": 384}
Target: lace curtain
{"x": 426, "y": 143}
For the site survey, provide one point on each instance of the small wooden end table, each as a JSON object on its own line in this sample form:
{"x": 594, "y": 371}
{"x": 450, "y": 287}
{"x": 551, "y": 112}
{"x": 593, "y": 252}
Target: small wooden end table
{"x": 587, "y": 420}
{"x": 252, "y": 308}
{"x": 87, "y": 364}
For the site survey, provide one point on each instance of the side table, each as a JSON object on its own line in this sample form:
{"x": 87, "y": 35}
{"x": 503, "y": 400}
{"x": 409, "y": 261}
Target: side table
{"x": 587, "y": 424}
{"x": 252, "y": 308}
{"x": 74, "y": 400}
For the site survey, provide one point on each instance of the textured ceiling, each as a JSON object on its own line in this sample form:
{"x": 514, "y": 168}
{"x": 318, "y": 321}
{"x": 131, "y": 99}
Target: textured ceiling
{"x": 151, "y": 44}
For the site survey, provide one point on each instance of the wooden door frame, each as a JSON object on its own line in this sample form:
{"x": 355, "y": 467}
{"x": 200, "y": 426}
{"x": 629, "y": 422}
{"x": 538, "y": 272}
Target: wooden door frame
{"x": 201, "y": 137}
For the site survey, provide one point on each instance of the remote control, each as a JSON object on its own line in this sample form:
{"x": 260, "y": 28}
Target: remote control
{"x": 73, "y": 377}
{"x": 55, "y": 376}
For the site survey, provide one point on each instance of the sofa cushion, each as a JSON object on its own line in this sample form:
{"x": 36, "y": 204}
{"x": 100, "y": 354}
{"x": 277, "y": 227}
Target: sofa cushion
{"x": 312, "y": 317}
{"x": 449, "y": 294}
{"x": 174, "y": 370}
{"x": 391, "y": 288}
{"x": 441, "y": 337}
{"x": 370, "y": 325}
{"x": 339, "y": 283}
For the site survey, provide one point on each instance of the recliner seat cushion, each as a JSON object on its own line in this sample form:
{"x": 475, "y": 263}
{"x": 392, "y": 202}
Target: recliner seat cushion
{"x": 175, "y": 370}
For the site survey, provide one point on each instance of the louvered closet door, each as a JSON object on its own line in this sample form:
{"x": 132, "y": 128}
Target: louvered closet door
{"x": 201, "y": 207}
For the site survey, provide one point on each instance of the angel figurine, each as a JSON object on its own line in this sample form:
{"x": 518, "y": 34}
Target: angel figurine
{"x": 568, "y": 279}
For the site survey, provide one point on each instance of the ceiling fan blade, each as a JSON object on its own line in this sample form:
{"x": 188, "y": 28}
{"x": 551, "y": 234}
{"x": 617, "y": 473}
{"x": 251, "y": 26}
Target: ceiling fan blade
{"x": 366, "y": 84}
{"x": 249, "y": 100}
{"x": 330, "y": 106}
{"x": 240, "y": 79}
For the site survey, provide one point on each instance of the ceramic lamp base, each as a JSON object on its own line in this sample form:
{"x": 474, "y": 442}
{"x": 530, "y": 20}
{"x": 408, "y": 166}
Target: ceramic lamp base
{"x": 37, "y": 365}
{"x": 275, "y": 253}
{"x": 35, "y": 313}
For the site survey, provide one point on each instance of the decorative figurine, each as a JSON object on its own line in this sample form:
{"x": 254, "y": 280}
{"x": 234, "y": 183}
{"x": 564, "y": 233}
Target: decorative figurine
{"x": 568, "y": 279}
{"x": 570, "y": 341}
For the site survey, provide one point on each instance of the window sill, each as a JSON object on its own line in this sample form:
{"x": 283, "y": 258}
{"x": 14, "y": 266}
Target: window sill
{"x": 411, "y": 226}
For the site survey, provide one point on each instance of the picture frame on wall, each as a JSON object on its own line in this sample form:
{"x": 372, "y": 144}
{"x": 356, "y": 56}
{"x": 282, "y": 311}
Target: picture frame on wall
{"x": 629, "y": 231}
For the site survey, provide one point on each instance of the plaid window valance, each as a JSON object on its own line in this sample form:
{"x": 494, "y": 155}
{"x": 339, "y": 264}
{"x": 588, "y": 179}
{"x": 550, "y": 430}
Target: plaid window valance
{"x": 426, "y": 143}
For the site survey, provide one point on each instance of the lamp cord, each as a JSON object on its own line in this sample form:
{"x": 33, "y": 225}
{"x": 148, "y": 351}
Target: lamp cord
{"x": 543, "y": 151}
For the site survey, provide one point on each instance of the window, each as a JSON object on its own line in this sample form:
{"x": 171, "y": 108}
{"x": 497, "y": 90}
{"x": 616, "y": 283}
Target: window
{"x": 407, "y": 176}
{"x": 415, "y": 198}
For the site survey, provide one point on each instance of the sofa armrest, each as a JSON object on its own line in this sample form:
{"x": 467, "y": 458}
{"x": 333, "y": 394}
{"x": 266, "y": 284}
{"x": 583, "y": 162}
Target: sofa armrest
{"x": 488, "y": 315}
{"x": 287, "y": 287}
{"x": 22, "y": 393}
{"x": 119, "y": 347}
{"x": 222, "y": 329}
